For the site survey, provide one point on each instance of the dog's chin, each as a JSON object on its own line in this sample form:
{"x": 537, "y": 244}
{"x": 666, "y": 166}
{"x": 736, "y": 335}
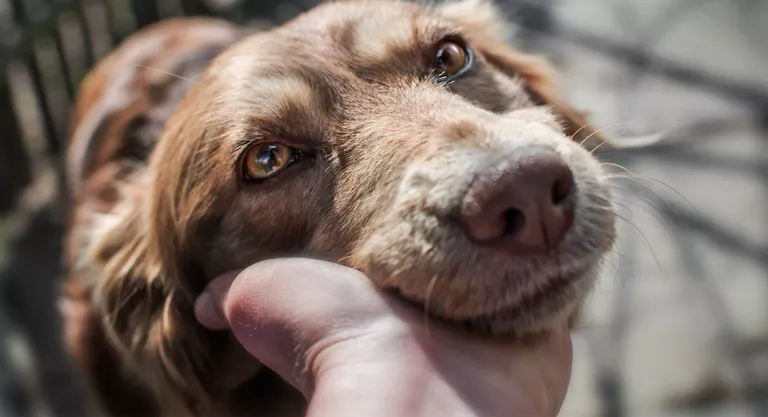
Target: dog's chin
{"x": 546, "y": 308}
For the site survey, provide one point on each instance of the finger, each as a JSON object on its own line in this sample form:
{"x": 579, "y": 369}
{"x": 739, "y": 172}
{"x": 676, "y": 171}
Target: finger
{"x": 208, "y": 304}
{"x": 279, "y": 309}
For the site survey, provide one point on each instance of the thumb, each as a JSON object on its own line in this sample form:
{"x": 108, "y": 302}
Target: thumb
{"x": 208, "y": 305}
{"x": 280, "y": 309}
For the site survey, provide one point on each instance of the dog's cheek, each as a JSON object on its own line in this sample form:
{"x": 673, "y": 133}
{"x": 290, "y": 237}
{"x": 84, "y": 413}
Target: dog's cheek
{"x": 266, "y": 221}
{"x": 410, "y": 249}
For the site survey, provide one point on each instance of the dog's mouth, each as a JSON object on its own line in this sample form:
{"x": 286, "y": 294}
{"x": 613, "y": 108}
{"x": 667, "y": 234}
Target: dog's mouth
{"x": 551, "y": 299}
{"x": 554, "y": 297}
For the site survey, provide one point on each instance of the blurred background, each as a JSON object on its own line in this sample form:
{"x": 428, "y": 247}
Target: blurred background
{"x": 678, "y": 325}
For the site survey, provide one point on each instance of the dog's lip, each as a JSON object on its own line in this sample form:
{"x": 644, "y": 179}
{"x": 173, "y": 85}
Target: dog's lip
{"x": 552, "y": 286}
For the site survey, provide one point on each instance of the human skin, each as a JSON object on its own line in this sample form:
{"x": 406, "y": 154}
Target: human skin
{"x": 352, "y": 350}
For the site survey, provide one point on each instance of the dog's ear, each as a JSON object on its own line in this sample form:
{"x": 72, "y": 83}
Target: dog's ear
{"x": 540, "y": 80}
{"x": 147, "y": 316}
{"x": 490, "y": 34}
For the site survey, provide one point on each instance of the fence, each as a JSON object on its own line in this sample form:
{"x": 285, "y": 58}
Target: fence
{"x": 46, "y": 46}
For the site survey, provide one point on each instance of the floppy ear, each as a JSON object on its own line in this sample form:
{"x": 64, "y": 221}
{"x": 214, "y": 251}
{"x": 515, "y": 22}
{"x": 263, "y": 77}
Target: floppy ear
{"x": 490, "y": 35}
{"x": 147, "y": 316}
{"x": 540, "y": 79}
{"x": 146, "y": 268}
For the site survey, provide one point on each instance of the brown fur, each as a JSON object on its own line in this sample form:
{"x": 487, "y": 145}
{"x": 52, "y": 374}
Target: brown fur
{"x": 392, "y": 154}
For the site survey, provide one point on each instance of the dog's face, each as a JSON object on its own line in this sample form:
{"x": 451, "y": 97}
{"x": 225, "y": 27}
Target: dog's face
{"x": 404, "y": 141}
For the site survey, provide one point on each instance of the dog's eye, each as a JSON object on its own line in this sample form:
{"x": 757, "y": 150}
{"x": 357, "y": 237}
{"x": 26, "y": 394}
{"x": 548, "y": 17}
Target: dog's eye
{"x": 450, "y": 59}
{"x": 267, "y": 160}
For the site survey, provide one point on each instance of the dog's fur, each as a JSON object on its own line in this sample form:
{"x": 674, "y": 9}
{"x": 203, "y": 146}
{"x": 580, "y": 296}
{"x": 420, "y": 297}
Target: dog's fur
{"x": 160, "y": 208}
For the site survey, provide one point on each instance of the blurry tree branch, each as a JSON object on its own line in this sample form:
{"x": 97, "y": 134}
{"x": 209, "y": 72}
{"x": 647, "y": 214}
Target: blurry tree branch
{"x": 750, "y": 94}
{"x": 755, "y": 96}
{"x": 715, "y": 233}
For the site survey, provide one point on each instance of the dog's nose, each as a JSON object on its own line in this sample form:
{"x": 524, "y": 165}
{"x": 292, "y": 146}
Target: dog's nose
{"x": 525, "y": 210}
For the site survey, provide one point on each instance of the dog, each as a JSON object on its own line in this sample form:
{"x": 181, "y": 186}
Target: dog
{"x": 410, "y": 142}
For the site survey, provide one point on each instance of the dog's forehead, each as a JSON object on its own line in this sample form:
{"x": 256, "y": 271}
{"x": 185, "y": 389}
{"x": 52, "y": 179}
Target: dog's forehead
{"x": 385, "y": 36}
{"x": 332, "y": 16}
{"x": 308, "y": 65}
{"x": 369, "y": 30}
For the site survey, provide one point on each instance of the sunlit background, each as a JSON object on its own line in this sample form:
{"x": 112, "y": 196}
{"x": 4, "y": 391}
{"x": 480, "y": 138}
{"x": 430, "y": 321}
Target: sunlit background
{"x": 678, "y": 325}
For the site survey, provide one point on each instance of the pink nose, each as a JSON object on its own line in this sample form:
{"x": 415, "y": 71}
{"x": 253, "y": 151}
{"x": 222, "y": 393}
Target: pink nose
{"x": 527, "y": 209}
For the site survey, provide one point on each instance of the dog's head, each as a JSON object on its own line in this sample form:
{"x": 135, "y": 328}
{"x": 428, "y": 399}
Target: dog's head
{"x": 409, "y": 142}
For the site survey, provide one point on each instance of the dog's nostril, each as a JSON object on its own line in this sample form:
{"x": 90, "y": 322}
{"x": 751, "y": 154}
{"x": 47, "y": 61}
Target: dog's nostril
{"x": 514, "y": 220}
{"x": 562, "y": 189}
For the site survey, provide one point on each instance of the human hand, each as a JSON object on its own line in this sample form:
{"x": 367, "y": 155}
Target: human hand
{"x": 353, "y": 351}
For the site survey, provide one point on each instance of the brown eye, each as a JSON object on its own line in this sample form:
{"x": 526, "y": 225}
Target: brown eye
{"x": 266, "y": 160}
{"x": 450, "y": 58}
